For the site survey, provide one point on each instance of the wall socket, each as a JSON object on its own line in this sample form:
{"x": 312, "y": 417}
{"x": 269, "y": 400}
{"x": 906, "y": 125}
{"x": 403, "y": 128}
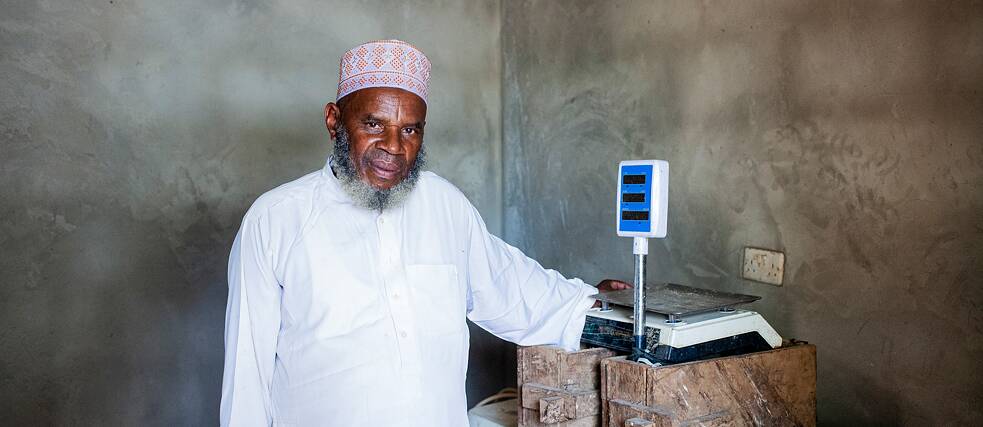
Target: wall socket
{"x": 762, "y": 265}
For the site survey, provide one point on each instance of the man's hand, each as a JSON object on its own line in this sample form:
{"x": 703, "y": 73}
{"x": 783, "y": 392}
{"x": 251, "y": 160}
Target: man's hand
{"x": 608, "y": 285}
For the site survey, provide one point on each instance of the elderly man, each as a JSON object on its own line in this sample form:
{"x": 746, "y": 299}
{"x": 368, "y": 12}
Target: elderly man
{"x": 349, "y": 287}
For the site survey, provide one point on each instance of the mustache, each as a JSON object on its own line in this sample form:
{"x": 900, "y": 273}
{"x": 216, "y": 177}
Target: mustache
{"x": 381, "y": 155}
{"x": 364, "y": 195}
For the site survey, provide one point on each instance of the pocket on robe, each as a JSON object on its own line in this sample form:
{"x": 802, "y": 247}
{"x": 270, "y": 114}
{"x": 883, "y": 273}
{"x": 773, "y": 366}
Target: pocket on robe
{"x": 438, "y": 296}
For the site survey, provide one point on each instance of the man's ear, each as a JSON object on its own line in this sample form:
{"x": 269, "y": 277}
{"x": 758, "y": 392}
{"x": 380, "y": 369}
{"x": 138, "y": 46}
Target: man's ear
{"x": 332, "y": 118}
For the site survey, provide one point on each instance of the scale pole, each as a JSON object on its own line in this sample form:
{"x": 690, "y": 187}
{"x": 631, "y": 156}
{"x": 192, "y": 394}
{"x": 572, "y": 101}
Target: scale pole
{"x": 640, "y": 247}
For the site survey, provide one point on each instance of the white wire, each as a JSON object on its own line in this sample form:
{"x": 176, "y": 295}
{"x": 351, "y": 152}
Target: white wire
{"x": 505, "y": 393}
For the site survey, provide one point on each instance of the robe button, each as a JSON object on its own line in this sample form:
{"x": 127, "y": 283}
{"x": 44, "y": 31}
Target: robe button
{"x": 402, "y": 334}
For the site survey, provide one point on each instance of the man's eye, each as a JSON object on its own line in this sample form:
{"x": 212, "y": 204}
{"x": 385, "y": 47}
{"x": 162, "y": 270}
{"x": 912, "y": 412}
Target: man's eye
{"x": 373, "y": 125}
{"x": 411, "y": 131}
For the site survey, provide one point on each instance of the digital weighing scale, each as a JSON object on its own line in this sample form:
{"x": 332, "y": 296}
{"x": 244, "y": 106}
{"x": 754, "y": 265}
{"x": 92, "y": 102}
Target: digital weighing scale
{"x": 682, "y": 324}
{"x": 667, "y": 323}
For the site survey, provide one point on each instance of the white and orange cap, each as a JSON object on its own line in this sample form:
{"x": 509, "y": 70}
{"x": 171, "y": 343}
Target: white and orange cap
{"x": 384, "y": 63}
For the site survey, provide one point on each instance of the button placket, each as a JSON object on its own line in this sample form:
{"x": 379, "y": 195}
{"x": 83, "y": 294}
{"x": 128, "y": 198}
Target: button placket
{"x": 395, "y": 281}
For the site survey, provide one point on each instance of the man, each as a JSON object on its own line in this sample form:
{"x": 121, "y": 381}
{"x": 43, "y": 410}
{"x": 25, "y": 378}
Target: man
{"x": 349, "y": 287}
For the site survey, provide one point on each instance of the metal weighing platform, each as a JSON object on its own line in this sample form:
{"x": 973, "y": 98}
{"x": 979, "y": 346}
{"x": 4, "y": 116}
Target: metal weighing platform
{"x": 683, "y": 323}
{"x": 676, "y": 301}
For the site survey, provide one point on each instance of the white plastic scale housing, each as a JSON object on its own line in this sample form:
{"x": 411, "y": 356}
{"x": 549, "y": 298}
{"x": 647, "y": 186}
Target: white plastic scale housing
{"x": 643, "y": 198}
{"x": 698, "y": 328}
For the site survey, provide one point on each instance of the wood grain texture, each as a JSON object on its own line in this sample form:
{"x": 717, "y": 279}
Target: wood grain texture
{"x": 539, "y": 364}
{"x": 572, "y": 404}
{"x": 580, "y": 369}
{"x": 775, "y": 388}
{"x": 621, "y": 411}
{"x": 559, "y": 388}
{"x": 530, "y": 418}
{"x": 625, "y": 380}
{"x": 639, "y": 422}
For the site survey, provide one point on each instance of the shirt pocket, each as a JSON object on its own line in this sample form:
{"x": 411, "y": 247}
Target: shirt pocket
{"x": 439, "y": 297}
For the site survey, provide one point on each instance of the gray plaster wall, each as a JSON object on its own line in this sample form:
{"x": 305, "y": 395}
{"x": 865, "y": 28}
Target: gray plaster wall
{"x": 847, "y": 134}
{"x": 135, "y": 134}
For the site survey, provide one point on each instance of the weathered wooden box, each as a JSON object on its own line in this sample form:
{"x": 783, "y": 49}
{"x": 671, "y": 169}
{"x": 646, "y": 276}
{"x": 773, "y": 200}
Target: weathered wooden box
{"x": 769, "y": 388}
{"x": 592, "y": 387}
{"x": 559, "y": 388}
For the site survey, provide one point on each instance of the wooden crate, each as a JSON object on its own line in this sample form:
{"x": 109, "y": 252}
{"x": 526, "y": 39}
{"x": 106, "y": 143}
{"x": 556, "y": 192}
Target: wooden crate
{"x": 773, "y": 388}
{"x": 559, "y": 388}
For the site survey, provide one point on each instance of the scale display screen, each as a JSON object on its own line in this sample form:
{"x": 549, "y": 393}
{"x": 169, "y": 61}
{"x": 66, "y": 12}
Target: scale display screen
{"x": 634, "y": 215}
{"x": 642, "y": 190}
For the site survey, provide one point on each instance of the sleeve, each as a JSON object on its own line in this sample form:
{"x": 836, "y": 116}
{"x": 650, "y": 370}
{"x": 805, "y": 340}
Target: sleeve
{"x": 516, "y": 299}
{"x": 252, "y": 322}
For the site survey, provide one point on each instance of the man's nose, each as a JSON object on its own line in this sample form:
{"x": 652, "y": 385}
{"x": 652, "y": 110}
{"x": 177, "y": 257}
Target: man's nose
{"x": 391, "y": 141}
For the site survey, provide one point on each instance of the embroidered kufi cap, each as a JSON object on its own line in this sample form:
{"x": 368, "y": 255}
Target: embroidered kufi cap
{"x": 384, "y": 63}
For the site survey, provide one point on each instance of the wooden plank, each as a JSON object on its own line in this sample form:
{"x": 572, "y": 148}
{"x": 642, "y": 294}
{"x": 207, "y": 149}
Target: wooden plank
{"x": 558, "y": 386}
{"x": 530, "y": 418}
{"x": 604, "y": 401}
{"x": 540, "y": 364}
{"x": 537, "y": 364}
{"x": 716, "y": 419}
{"x": 758, "y": 388}
{"x": 552, "y": 411}
{"x": 587, "y": 404}
{"x": 625, "y": 380}
{"x": 532, "y": 393}
{"x": 581, "y": 369}
{"x": 775, "y": 387}
{"x": 621, "y": 411}
{"x": 576, "y": 403}
{"x": 624, "y": 413}
{"x": 768, "y": 388}
{"x": 692, "y": 390}
{"x": 794, "y": 378}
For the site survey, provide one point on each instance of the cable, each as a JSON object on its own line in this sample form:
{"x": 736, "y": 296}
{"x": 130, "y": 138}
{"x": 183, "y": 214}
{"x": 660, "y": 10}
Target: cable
{"x": 504, "y": 394}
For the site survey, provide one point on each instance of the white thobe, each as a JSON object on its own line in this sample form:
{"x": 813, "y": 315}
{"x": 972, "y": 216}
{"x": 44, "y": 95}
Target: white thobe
{"x": 342, "y": 316}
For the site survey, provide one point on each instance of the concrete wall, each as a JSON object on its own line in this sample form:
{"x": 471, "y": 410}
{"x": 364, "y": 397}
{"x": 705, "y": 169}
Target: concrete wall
{"x": 134, "y": 134}
{"x": 846, "y": 134}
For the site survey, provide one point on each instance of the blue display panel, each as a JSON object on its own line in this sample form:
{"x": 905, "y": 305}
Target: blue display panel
{"x": 635, "y": 200}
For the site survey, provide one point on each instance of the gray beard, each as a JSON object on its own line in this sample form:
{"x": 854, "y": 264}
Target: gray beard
{"x": 363, "y": 194}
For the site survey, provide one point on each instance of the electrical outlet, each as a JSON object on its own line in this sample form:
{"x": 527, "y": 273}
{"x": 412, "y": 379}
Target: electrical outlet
{"x": 762, "y": 265}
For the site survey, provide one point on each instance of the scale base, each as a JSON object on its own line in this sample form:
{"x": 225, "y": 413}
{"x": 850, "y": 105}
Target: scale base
{"x": 697, "y": 337}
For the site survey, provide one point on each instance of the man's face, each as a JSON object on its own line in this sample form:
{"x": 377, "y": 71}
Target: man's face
{"x": 385, "y": 127}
